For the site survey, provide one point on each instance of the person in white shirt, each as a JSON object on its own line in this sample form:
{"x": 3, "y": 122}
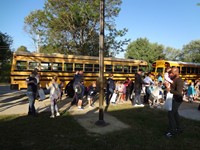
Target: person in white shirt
{"x": 148, "y": 81}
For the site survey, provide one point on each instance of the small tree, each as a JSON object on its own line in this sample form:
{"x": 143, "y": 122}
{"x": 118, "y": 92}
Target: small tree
{"x": 144, "y": 50}
{"x": 191, "y": 52}
{"x": 22, "y": 49}
{"x": 5, "y": 56}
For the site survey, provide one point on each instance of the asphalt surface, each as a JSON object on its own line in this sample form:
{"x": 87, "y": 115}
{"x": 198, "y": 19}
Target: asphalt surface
{"x": 16, "y": 102}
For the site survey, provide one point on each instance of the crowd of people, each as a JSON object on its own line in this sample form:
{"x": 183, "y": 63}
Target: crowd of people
{"x": 116, "y": 92}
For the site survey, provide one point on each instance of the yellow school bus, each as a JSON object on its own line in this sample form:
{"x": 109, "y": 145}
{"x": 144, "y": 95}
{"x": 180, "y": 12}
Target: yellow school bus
{"x": 189, "y": 71}
{"x": 64, "y": 66}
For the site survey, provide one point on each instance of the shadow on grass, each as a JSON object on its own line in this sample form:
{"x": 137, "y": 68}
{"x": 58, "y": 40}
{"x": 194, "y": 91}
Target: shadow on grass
{"x": 147, "y": 127}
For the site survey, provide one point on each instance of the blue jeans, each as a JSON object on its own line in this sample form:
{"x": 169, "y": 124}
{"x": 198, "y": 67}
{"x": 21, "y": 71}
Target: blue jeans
{"x": 31, "y": 99}
{"x": 137, "y": 97}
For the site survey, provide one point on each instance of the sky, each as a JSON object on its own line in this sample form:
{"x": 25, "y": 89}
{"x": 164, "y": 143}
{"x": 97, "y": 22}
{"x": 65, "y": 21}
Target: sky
{"x": 172, "y": 23}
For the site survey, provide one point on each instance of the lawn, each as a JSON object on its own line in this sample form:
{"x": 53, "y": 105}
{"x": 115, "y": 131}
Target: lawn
{"x": 147, "y": 127}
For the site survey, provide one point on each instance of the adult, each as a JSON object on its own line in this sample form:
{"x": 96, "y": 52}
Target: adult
{"x": 78, "y": 78}
{"x": 31, "y": 93}
{"x": 110, "y": 88}
{"x": 176, "y": 89}
{"x": 148, "y": 81}
{"x": 37, "y": 76}
{"x": 138, "y": 88}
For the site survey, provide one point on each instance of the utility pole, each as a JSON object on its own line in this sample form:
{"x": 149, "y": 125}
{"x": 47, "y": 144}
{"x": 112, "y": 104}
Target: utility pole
{"x": 101, "y": 64}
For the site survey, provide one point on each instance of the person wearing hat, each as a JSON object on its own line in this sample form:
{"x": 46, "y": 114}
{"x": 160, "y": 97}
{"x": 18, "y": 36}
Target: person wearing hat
{"x": 138, "y": 88}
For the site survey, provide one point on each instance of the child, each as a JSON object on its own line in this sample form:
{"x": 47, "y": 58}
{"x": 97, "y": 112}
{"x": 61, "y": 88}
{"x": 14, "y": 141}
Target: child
{"x": 191, "y": 92}
{"x": 61, "y": 86}
{"x": 167, "y": 80}
{"x": 156, "y": 95}
{"x": 120, "y": 90}
{"x": 92, "y": 91}
{"x": 54, "y": 95}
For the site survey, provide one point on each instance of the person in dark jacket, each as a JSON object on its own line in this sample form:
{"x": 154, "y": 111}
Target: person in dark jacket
{"x": 138, "y": 88}
{"x": 31, "y": 93}
{"x": 78, "y": 78}
{"x": 110, "y": 88}
{"x": 176, "y": 89}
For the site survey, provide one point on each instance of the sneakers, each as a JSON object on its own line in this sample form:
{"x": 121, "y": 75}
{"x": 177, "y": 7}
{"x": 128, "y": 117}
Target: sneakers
{"x": 52, "y": 116}
{"x": 169, "y": 134}
{"x": 91, "y": 106}
{"x": 141, "y": 105}
{"x": 80, "y": 108}
{"x": 57, "y": 114}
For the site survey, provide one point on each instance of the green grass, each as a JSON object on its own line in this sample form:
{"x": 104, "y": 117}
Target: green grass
{"x": 147, "y": 127}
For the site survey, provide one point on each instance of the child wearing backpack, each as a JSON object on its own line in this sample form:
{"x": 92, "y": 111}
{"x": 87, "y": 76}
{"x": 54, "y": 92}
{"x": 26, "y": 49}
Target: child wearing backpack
{"x": 92, "y": 91}
{"x": 54, "y": 95}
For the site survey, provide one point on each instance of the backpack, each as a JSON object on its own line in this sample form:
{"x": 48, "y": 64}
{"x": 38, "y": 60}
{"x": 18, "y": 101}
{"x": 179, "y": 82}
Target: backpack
{"x": 78, "y": 88}
{"x": 56, "y": 93}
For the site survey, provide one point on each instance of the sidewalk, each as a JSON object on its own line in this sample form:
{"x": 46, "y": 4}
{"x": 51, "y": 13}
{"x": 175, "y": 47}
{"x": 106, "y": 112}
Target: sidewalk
{"x": 16, "y": 102}
{"x": 190, "y": 110}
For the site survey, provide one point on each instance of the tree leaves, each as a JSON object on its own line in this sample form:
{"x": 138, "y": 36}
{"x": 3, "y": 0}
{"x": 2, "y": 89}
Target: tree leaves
{"x": 191, "y": 52}
{"x": 5, "y": 50}
{"x": 72, "y": 27}
{"x": 144, "y": 50}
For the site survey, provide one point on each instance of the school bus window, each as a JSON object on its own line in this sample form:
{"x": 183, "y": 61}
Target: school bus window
{"x": 33, "y": 65}
{"x": 183, "y": 70}
{"x": 108, "y": 68}
{"x": 88, "y": 67}
{"x": 126, "y": 69}
{"x": 193, "y": 70}
{"x": 134, "y": 69}
{"x": 188, "y": 69}
{"x": 153, "y": 69}
{"x": 96, "y": 68}
{"x": 196, "y": 70}
{"x": 21, "y": 65}
{"x": 68, "y": 67}
{"x": 118, "y": 68}
{"x": 45, "y": 66}
{"x": 57, "y": 67}
{"x": 160, "y": 70}
{"x": 144, "y": 68}
{"x": 78, "y": 66}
